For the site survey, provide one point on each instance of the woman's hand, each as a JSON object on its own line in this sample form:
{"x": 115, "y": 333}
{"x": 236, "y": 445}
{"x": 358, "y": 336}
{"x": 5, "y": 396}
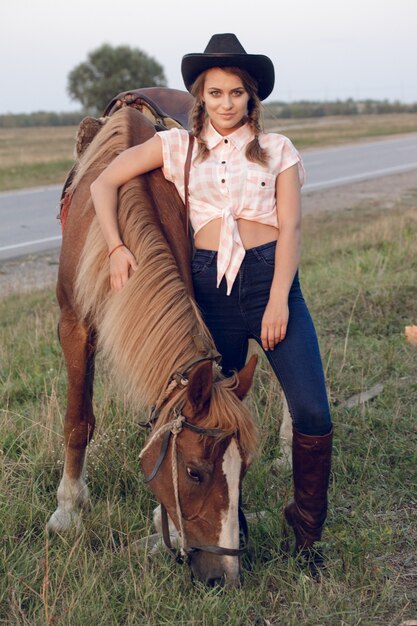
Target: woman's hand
{"x": 274, "y": 324}
{"x": 122, "y": 262}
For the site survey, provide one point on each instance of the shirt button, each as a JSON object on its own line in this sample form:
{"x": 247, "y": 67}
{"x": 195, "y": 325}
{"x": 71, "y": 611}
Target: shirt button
{"x": 226, "y": 141}
{"x": 223, "y": 180}
{"x": 263, "y": 184}
{"x": 223, "y": 162}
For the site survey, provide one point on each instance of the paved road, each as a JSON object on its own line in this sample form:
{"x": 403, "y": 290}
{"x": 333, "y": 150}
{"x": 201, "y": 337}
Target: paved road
{"x": 28, "y": 217}
{"x": 332, "y": 167}
{"x": 28, "y": 221}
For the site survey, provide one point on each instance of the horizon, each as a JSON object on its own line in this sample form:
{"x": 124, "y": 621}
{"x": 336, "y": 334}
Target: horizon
{"x": 265, "y": 105}
{"x": 322, "y": 51}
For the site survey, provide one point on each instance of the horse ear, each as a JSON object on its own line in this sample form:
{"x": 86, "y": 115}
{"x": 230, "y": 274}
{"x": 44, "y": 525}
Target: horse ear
{"x": 199, "y": 388}
{"x": 245, "y": 377}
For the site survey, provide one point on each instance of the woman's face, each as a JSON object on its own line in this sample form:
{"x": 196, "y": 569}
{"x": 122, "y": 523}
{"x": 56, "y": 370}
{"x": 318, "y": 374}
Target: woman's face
{"x": 225, "y": 99}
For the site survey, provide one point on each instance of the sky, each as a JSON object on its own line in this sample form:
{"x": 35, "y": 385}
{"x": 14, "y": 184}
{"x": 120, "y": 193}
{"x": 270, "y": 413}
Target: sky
{"x": 321, "y": 49}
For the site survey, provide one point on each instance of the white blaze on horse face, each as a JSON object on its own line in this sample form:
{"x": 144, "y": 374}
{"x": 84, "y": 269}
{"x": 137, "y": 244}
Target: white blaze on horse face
{"x": 229, "y": 533}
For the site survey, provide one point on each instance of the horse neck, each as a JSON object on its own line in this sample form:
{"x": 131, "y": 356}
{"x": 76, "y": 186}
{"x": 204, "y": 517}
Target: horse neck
{"x": 148, "y": 331}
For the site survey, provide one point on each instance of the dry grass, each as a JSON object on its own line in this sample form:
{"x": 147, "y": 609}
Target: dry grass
{"x": 20, "y": 146}
{"x": 31, "y": 157}
{"x": 336, "y": 130}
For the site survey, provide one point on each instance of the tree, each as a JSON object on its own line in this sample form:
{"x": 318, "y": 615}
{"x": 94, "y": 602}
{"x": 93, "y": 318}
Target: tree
{"x": 108, "y": 71}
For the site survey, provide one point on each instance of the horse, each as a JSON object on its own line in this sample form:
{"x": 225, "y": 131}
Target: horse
{"x": 160, "y": 355}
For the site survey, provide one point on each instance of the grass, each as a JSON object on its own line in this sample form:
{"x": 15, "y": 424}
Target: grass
{"x": 32, "y": 157}
{"x": 359, "y": 276}
{"x": 42, "y": 156}
{"x": 337, "y": 130}
{"x": 34, "y": 174}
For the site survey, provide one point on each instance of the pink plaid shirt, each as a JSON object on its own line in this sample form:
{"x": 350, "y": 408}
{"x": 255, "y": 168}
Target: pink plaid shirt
{"x": 228, "y": 186}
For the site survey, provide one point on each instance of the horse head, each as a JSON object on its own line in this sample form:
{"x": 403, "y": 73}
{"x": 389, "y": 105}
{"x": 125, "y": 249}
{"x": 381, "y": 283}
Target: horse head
{"x": 195, "y": 464}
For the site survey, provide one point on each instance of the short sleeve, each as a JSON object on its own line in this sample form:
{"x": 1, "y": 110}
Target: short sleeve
{"x": 174, "y": 152}
{"x": 290, "y": 156}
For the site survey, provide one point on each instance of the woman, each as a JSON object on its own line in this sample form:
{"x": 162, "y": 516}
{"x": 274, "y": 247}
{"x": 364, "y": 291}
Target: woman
{"x": 245, "y": 209}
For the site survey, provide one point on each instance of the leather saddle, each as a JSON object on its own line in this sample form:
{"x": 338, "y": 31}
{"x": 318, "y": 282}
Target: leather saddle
{"x": 166, "y": 108}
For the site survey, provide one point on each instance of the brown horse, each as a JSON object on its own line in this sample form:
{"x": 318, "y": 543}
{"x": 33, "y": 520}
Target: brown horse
{"x": 160, "y": 354}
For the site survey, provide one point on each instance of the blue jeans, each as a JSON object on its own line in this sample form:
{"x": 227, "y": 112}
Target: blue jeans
{"x": 234, "y": 319}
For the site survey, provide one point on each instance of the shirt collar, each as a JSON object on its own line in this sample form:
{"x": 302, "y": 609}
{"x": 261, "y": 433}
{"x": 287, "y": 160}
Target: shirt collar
{"x": 239, "y": 138}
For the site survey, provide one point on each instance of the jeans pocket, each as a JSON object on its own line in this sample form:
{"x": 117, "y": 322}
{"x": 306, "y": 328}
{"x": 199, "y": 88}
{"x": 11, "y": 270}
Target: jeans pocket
{"x": 201, "y": 261}
{"x": 267, "y": 255}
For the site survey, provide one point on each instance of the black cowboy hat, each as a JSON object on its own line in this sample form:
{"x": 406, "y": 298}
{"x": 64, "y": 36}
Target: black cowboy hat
{"x": 225, "y": 50}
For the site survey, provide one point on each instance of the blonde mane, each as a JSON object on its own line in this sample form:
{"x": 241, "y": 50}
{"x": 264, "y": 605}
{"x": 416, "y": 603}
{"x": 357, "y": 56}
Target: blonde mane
{"x": 152, "y": 327}
{"x": 110, "y": 140}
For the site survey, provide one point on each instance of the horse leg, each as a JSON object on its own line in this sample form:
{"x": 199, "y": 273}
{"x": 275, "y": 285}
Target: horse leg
{"x": 285, "y": 435}
{"x": 78, "y": 345}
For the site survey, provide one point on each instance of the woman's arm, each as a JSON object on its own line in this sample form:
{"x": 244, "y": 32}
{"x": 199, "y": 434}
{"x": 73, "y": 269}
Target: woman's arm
{"x": 130, "y": 163}
{"x": 287, "y": 257}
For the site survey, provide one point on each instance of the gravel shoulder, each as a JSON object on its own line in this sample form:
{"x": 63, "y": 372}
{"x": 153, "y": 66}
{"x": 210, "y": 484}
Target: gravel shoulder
{"x": 38, "y": 271}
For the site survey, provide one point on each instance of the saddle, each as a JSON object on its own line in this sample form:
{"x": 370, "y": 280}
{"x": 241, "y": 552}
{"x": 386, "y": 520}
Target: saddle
{"x": 165, "y": 108}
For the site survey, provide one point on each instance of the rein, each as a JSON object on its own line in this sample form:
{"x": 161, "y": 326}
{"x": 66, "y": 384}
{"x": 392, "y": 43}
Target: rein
{"x": 173, "y": 429}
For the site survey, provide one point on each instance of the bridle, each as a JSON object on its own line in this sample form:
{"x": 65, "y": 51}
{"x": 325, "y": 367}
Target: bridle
{"x": 173, "y": 429}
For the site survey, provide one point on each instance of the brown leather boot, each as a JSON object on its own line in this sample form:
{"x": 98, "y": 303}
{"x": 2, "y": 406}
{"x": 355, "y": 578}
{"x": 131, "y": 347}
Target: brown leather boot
{"x": 311, "y": 457}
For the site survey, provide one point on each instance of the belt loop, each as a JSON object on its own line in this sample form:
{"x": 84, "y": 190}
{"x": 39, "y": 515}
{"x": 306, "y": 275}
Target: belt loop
{"x": 255, "y": 252}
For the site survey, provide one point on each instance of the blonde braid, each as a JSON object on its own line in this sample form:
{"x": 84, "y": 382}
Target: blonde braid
{"x": 198, "y": 117}
{"x": 254, "y": 152}
{"x": 197, "y": 121}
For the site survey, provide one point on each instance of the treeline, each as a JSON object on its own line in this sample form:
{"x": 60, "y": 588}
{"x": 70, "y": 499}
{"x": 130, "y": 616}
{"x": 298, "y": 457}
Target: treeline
{"x": 40, "y": 118}
{"x": 309, "y": 108}
{"x": 301, "y": 108}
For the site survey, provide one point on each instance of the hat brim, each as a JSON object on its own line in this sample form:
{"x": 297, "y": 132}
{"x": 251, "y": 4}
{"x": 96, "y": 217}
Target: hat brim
{"x": 259, "y": 66}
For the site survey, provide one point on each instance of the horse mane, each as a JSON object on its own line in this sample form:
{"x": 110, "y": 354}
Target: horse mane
{"x": 146, "y": 330}
{"x": 110, "y": 140}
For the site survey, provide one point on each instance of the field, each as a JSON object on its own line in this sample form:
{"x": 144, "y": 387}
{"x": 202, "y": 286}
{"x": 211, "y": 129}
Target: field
{"x": 359, "y": 276}
{"x": 336, "y": 130}
{"x": 32, "y": 157}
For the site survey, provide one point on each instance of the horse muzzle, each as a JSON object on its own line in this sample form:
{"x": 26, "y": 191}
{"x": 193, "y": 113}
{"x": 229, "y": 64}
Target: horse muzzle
{"x": 212, "y": 569}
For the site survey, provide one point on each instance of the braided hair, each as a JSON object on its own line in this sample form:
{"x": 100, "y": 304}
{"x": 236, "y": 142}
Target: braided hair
{"x": 198, "y": 115}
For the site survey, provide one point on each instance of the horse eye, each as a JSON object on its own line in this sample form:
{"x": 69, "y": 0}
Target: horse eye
{"x": 194, "y": 474}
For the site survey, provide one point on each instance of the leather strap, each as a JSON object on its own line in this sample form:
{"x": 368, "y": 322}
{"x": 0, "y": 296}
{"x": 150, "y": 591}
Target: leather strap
{"x": 181, "y": 378}
{"x": 212, "y": 356}
{"x": 209, "y": 432}
{"x": 218, "y": 550}
{"x": 187, "y": 168}
{"x": 167, "y": 538}
{"x": 161, "y": 457}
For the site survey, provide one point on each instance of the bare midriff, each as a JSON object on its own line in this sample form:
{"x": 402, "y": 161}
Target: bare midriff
{"x": 252, "y": 234}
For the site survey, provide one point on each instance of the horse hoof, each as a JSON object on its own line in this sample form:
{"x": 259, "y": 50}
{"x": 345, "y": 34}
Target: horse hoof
{"x": 63, "y": 521}
{"x": 282, "y": 462}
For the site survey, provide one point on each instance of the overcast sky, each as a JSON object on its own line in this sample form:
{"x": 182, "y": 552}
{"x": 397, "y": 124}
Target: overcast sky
{"x": 321, "y": 49}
